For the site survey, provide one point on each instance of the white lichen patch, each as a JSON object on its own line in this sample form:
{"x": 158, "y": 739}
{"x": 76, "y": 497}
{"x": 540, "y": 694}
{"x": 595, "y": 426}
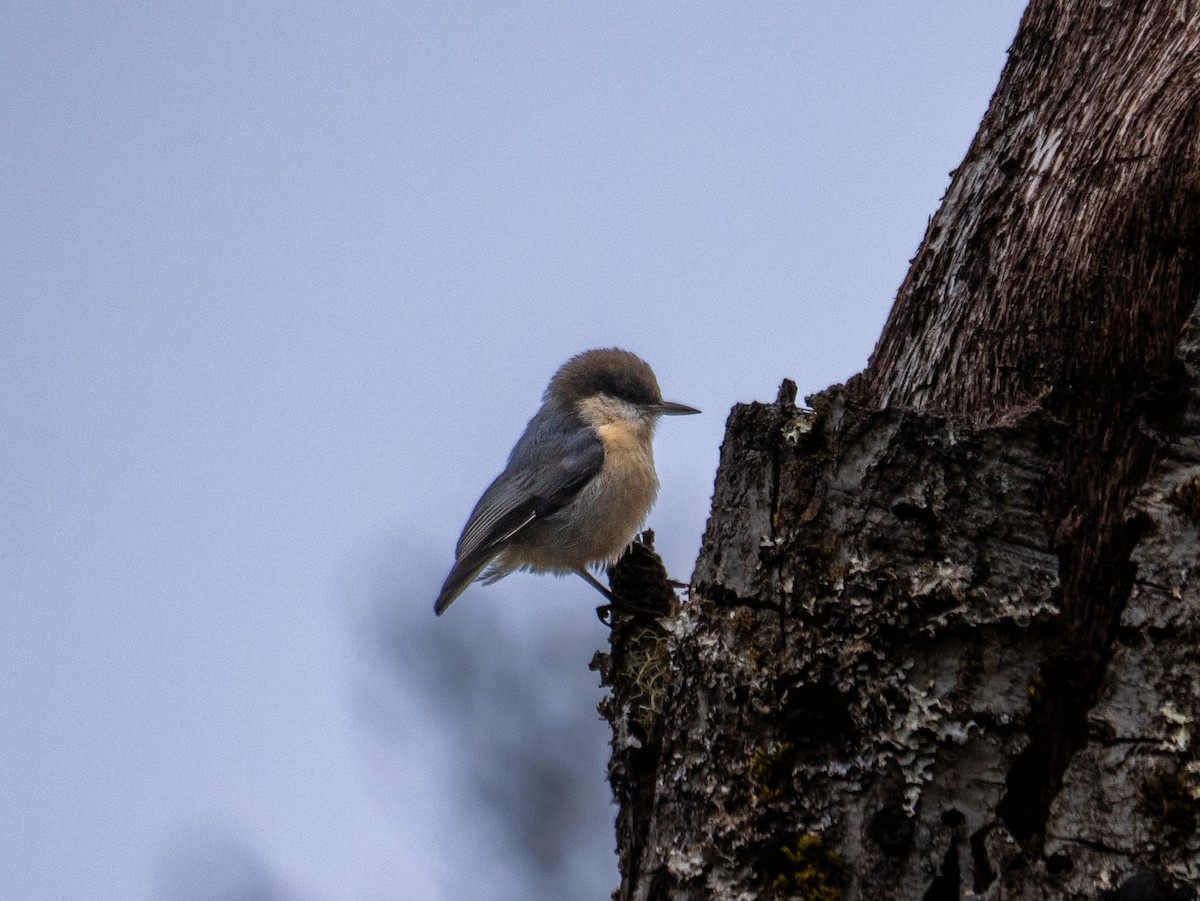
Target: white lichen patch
{"x": 683, "y": 623}
{"x": 1021, "y": 612}
{"x": 984, "y": 608}
{"x": 685, "y": 863}
{"x": 798, "y": 426}
{"x": 930, "y": 494}
{"x": 914, "y": 736}
{"x": 1187, "y": 871}
{"x": 725, "y": 882}
{"x": 1181, "y": 737}
{"x": 940, "y": 578}
{"x": 1193, "y": 781}
{"x": 623, "y": 739}
{"x": 954, "y": 731}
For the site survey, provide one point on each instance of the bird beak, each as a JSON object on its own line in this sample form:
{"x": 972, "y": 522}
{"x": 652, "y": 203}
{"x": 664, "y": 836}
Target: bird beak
{"x": 667, "y": 408}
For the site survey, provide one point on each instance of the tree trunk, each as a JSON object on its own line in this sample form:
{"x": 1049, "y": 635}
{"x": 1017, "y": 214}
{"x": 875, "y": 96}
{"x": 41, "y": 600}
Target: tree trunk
{"x": 942, "y": 638}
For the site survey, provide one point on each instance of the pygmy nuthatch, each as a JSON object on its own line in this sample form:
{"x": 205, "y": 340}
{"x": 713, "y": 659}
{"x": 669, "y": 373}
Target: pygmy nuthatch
{"x": 579, "y": 482}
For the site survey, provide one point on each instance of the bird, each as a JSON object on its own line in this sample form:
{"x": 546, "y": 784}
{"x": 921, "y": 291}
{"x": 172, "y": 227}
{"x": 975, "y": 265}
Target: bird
{"x": 579, "y": 481}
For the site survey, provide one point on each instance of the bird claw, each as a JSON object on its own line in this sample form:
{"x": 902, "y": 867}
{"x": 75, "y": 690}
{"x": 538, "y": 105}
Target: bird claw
{"x": 631, "y": 608}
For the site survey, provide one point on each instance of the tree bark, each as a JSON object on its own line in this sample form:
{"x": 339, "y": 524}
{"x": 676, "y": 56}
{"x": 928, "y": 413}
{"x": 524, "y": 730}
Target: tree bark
{"x": 941, "y": 640}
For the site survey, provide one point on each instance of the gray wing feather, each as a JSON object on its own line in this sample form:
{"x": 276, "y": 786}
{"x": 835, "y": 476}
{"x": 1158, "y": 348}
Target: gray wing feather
{"x": 555, "y": 457}
{"x": 553, "y": 460}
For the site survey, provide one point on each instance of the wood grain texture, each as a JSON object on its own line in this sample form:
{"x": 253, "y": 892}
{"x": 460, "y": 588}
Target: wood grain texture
{"x": 1064, "y": 250}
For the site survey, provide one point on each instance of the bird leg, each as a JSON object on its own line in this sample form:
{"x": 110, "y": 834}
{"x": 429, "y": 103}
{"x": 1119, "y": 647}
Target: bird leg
{"x": 617, "y": 603}
{"x": 595, "y": 583}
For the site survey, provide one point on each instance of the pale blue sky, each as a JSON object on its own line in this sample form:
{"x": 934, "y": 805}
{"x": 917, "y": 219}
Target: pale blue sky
{"x": 279, "y": 286}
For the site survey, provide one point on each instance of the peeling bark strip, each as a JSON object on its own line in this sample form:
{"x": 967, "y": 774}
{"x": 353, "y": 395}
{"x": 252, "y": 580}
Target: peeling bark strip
{"x": 943, "y": 635}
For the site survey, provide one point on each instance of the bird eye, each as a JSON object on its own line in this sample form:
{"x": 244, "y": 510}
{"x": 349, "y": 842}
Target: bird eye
{"x": 630, "y": 390}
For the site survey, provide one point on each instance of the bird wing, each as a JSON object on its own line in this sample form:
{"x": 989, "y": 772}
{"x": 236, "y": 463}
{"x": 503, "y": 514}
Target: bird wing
{"x": 551, "y": 463}
{"x": 547, "y": 469}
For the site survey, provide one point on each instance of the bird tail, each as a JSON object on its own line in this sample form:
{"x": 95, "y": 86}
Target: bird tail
{"x": 463, "y": 574}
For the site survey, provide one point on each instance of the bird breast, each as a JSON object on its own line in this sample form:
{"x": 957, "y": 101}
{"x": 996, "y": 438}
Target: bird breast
{"x": 599, "y": 522}
{"x": 625, "y": 488}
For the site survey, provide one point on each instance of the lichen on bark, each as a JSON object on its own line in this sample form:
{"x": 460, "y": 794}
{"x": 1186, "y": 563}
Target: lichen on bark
{"x": 944, "y": 622}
